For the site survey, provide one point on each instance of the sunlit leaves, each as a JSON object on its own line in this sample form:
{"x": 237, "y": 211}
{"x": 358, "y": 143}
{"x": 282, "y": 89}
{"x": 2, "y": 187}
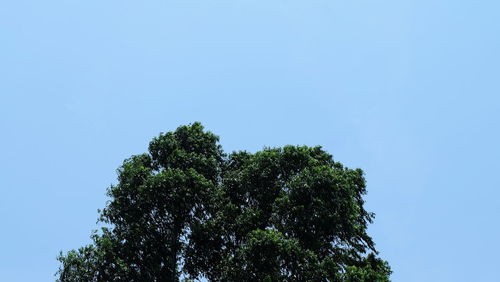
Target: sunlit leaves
{"x": 187, "y": 209}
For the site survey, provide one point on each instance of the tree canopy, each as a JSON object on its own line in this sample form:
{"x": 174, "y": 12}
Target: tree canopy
{"x": 187, "y": 210}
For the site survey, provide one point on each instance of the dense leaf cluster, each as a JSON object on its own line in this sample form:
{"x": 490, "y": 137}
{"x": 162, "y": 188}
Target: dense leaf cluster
{"x": 187, "y": 209}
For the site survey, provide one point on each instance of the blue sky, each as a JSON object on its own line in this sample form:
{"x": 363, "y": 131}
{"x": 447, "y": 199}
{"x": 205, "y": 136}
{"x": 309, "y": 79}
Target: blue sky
{"x": 406, "y": 90}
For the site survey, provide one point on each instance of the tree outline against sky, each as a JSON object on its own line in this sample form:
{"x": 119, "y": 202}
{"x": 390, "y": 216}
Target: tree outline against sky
{"x": 187, "y": 209}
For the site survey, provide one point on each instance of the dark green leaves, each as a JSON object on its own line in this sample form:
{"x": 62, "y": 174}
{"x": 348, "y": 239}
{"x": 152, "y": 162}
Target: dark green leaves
{"x": 281, "y": 214}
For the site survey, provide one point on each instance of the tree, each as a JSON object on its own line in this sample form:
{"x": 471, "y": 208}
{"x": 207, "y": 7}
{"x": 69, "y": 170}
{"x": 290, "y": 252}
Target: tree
{"x": 186, "y": 208}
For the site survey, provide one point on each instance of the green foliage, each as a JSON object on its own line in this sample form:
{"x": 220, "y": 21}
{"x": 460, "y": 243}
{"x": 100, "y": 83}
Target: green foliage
{"x": 281, "y": 214}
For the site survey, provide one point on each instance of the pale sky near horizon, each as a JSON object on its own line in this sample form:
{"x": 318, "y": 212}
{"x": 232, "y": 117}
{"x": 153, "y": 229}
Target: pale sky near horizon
{"x": 406, "y": 90}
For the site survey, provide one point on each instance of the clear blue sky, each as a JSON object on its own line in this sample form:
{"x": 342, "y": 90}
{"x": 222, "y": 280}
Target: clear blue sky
{"x": 406, "y": 90}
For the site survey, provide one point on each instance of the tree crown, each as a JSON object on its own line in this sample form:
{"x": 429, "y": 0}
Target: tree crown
{"x": 186, "y": 208}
